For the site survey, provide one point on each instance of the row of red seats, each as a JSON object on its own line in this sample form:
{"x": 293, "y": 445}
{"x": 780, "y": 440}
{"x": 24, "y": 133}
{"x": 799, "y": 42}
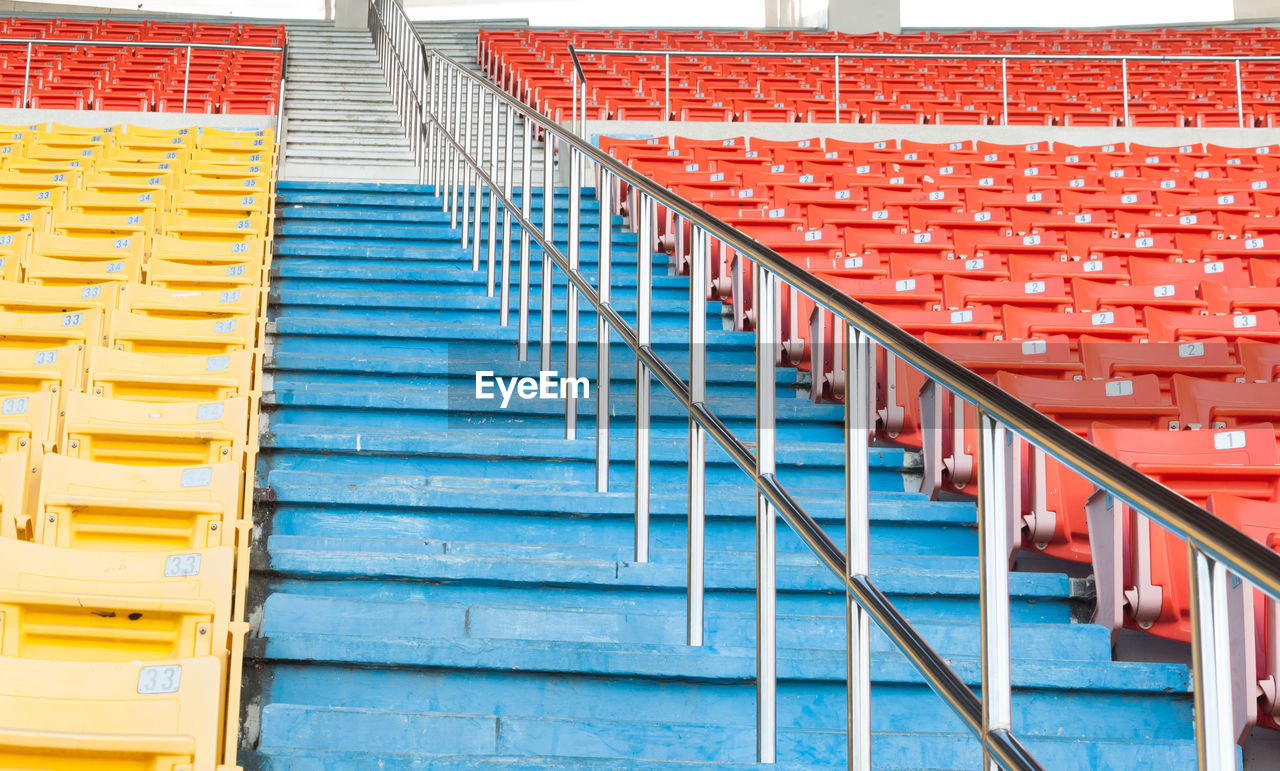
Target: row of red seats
{"x": 143, "y": 31}
{"x": 141, "y": 79}
{"x": 1147, "y": 322}
{"x": 536, "y": 67}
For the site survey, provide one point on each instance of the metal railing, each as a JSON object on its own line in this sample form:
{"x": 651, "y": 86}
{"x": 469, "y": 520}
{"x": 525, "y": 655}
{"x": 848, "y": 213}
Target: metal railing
{"x": 30, "y": 43}
{"x": 445, "y": 107}
{"x": 580, "y": 84}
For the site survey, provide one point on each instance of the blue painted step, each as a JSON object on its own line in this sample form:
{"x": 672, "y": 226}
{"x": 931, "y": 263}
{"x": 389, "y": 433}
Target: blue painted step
{"x": 438, "y": 584}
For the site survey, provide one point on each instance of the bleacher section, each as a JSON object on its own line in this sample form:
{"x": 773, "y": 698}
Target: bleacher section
{"x": 536, "y": 67}
{"x": 136, "y": 79}
{"x": 135, "y": 264}
{"x": 1128, "y": 292}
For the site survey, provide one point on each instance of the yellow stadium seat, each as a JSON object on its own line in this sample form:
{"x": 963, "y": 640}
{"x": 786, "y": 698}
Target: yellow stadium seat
{"x": 63, "y": 179}
{"x": 151, "y": 181}
{"x": 28, "y": 427}
{"x": 52, "y": 370}
{"x": 153, "y": 433}
{"x": 63, "y": 128}
{"x": 222, "y": 184}
{"x": 15, "y": 214}
{"x": 14, "y": 518}
{"x": 161, "y": 133}
{"x": 174, "y": 274}
{"x": 58, "y": 260}
{"x": 23, "y": 201}
{"x": 114, "y": 226}
{"x": 265, "y": 156}
{"x": 187, "y": 304}
{"x": 110, "y": 716}
{"x": 198, "y": 251}
{"x": 77, "y": 140}
{"x": 186, "y": 337}
{"x": 85, "y": 158}
{"x": 31, "y": 298}
{"x": 78, "y": 605}
{"x": 136, "y": 141}
{"x": 80, "y": 328}
{"x": 14, "y": 246}
{"x": 230, "y": 171}
{"x": 143, "y": 377}
{"x": 93, "y": 202}
{"x": 111, "y": 507}
{"x": 214, "y": 132}
{"x": 175, "y": 160}
{"x": 223, "y": 205}
{"x": 116, "y": 168}
{"x": 216, "y": 228}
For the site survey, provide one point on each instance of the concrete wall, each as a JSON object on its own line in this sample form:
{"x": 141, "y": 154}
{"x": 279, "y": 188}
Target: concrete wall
{"x": 1257, "y": 9}
{"x": 861, "y": 132}
{"x": 13, "y": 117}
{"x": 860, "y": 16}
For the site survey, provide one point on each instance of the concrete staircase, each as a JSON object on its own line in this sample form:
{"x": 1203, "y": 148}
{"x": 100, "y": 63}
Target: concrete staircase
{"x": 340, "y": 123}
{"x": 458, "y": 38}
{"x": 437, "y": 585}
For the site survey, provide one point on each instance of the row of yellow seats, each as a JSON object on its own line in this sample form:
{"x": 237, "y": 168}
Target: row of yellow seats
{"x": 24, "y": 234}
{"x": 168, "y": 189}
{"x": 134, "y": 266}
{"x": 43, "y": 193}
{"x": 133, "y": 138}
{"x": 166, "y": 261}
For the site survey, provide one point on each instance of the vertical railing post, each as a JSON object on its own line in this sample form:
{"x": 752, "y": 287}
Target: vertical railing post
{"x": 526, "y": 210}
{"x": 186, "y": 80}
{"x": 644, "y": 298}
{"x": 508, "y": 170}
{"x": 697, "y": 434}
{"x": 837, "y": 94}
{"x": 1239, "y": 95}
{"x": 1004, "y": 91}
{"x": 666, "y": 87}
{"x": 605, "y": 260}
{"x": 478, "y": 213}
{"x": 548, "y": 233}
{"x": 993, "y": 537}
{"x": 445, "y": 148}
{"x": 573, "y": 91}
{"x": 571, "y": 295}
{"x": 466, "y": 167}
{"x": 766, "y": 522}
{"x": 858, "y": 401}
{"x": 459, "y": 167}
{"x": 26, "y": 77}
{"x": 1211, "y": 661}
{"x": 491, "y": 270}
{"x": 1124, "y": 88}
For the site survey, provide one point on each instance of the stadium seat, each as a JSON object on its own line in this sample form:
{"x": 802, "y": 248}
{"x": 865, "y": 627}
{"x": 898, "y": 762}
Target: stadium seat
{"x": 112, "y": 507}
{"x": 153, "y": 433}
{"x": 125, "y": 714}
{"x": 143, "y": 377}
{"x": 77, "y": 605}
{"x": 188, "y": 336}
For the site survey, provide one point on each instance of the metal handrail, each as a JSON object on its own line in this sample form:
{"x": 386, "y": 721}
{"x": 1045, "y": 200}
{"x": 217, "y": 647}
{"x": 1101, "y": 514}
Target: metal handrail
{"x": 1214, "y": 548}
{"x": 1003, "y": 59}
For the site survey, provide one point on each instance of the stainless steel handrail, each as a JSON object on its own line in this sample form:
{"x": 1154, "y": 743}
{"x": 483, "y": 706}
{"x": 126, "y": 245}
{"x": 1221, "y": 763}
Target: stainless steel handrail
{"x": 1215, "y": 549}
{"x": 1003, "y": 59}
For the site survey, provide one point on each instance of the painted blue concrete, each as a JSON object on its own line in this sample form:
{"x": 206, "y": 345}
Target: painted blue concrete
{"x": 439, "y": 586}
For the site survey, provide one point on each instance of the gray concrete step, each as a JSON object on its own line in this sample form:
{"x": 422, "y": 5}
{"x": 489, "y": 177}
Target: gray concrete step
{"x": 340, "y": 122}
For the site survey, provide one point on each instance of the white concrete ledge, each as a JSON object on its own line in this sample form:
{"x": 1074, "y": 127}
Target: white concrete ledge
{"x": 870, "y": 132}
{"x": 163, "y": 120}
